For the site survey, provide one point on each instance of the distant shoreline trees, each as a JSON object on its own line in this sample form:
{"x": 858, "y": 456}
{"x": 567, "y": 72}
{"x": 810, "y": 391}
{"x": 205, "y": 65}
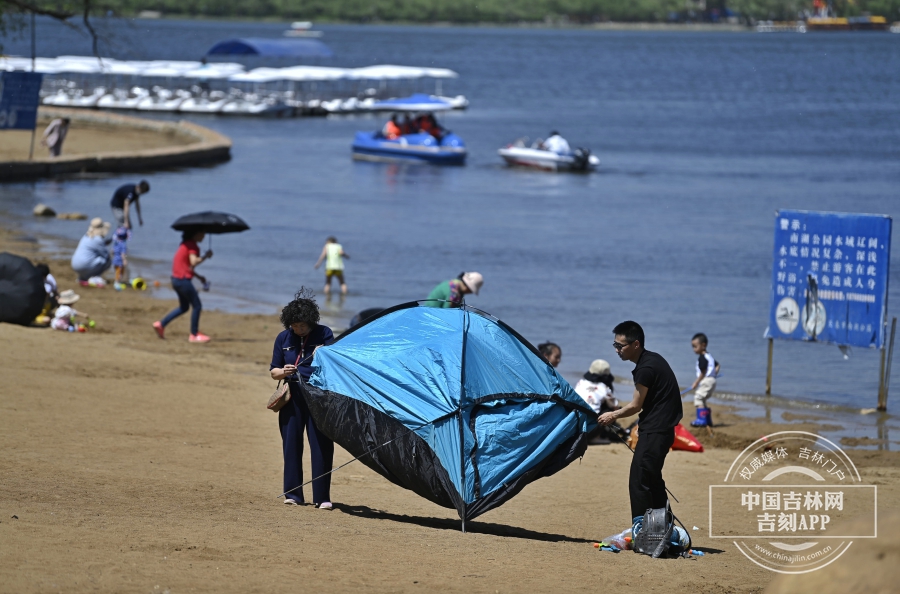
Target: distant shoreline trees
{"x": 502, "y": 11}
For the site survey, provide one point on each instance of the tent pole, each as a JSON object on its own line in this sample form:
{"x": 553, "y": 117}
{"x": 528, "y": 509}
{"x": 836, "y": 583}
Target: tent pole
{"x": 462, "y": 437}
{"x": 769, "y": 369}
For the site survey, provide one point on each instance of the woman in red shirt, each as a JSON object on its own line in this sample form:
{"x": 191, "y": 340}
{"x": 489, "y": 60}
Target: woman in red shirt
{"x": 187, "y": 258}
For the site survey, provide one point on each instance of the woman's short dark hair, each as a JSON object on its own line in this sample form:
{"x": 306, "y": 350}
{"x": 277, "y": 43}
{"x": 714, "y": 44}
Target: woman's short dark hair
{"x": 546, "y": 349}
{"x": 302, "y": 309}
{"x": 189, "y": 234}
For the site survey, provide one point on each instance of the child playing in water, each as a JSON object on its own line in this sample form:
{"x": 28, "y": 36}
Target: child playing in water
{"x": 707, "y": 371}
{"x": 333, "y": 254}
{"x": 120, "y": 255}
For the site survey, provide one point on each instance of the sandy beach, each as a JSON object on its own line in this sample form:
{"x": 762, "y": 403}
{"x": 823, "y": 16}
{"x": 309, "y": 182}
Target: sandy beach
{"x": 141, "y": 465}
{"x": 86, "y": 140}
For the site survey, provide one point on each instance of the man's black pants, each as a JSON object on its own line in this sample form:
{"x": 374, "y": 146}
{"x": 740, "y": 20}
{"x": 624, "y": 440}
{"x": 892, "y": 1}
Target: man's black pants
{"x": 645, "y": 483}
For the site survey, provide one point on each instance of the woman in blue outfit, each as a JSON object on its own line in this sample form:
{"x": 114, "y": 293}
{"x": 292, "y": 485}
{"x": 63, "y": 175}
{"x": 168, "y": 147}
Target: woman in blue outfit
{"x": 292, "y": 359}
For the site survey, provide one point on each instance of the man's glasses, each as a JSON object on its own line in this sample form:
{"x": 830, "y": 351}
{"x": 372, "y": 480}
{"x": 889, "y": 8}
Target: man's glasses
{"x": 619, "y": 346}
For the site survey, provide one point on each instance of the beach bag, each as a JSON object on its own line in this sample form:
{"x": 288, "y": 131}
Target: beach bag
{"x": 280, "y": 397}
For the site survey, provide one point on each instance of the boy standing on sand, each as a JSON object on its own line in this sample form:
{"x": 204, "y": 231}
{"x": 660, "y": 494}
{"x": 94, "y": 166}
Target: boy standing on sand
{"x": 705, "y": 384}
{"x": 333, "y": 255}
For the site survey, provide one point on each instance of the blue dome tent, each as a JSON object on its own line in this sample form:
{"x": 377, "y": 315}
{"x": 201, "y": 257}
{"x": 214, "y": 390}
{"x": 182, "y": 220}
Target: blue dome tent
{"x": 458, "y": 407}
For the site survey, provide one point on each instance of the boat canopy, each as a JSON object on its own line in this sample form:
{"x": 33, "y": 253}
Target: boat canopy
{"x": 276, "y": 48}
{"x": 417, "y": 102}
{"x": 221, "y": 70}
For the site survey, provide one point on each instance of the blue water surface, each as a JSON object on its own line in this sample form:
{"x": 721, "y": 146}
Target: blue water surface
{"x": 702, "y": 136}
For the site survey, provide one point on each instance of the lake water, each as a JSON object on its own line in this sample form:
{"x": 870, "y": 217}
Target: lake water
{"x": 702, "y": 136}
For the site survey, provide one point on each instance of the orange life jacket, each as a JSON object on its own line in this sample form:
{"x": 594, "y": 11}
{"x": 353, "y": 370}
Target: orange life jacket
{"x": 391, "y": 130}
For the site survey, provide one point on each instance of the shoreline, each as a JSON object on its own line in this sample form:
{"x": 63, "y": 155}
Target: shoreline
{"x": 865, "y": 427}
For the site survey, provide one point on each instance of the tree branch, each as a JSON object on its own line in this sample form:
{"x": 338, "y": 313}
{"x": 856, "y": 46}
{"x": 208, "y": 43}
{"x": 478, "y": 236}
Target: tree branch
{"x": 90, "y": 28}
{"x": 29, "y": 7}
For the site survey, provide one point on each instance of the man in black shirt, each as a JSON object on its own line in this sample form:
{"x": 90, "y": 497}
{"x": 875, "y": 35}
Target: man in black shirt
{"x": 657, "y": 398}
{"x": 122, "y": 200}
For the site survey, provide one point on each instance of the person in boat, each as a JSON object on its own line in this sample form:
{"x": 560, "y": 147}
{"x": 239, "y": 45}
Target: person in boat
{"x": 556, "y": 144}
{"x": 452, "y": 293}
{"x": 408, "y": 126}
{"x": 391, "y": 129}
{"x": 427, "y": 124}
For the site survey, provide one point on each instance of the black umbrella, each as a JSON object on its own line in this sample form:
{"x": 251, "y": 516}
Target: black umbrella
{"x": 21, "y": 290}
{"x": 211, "y": 222}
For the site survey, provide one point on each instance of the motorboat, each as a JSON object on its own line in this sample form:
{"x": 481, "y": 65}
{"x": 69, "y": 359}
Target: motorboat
{"x": 437, "y": 146}
{"x": 302, "y": 29}
{"x": 520, "y": 155}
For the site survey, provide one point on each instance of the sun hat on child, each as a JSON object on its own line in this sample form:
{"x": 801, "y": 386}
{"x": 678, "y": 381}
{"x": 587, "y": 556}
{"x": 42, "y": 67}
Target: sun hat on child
{"x": 599, "y": 367}
{"x": 68, "y": 297}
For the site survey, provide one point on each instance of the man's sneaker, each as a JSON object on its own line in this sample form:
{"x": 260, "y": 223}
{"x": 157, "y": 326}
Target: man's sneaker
{"x": 198, "y": 337}
{"x": 160, "y": 330}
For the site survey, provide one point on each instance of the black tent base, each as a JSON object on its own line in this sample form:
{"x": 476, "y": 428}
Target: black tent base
{"x": 389, "y": 448}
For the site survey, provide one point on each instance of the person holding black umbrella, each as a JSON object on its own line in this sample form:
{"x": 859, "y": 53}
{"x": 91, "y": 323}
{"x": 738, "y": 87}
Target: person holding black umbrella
{"x": 194, "y": 228}
{"x": 186, "y": 260}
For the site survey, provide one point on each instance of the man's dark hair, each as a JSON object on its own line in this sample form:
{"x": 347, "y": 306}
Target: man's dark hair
{"x": 701, "y": 337}
{"x": 631, "y": 331}
{"x": 546, "y": 349}
{"x": 302, "y": 309}
{"x": 43, "y": 269}
{"x": 66, "y": 121}
{"x": 143, "y": 186}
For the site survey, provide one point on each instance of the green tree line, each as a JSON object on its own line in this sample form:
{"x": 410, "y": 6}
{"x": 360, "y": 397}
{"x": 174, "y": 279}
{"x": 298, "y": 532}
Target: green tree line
{"x": 496, "y": 11}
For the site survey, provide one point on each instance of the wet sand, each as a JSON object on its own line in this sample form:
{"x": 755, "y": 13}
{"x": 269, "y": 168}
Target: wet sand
{"x": 141, "y": 465}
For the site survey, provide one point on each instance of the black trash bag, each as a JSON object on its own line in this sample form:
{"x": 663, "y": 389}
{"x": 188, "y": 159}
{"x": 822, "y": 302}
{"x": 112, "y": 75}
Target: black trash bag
{"x": 22, "y": 292}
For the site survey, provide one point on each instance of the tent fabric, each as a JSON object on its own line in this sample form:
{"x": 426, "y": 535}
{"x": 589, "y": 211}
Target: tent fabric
{"x": 490, "y": 415}
{"x": 275, "y": 48}
{"x": 22, "y": 291}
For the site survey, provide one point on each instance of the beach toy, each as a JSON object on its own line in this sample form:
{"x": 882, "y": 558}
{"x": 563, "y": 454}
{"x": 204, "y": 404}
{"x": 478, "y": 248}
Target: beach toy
{"x": 156, "y": 284}
{"x": 138, "y": 283}
{"x": 91, "y": 323}
{"x": 81, "y": 328}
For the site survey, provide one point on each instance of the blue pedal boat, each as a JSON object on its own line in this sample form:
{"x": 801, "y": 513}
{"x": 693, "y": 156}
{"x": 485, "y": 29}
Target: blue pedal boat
{"x": 421, "y": 147}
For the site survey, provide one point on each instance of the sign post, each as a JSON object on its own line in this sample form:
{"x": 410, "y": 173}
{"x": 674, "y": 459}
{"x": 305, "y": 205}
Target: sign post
{"x": 19, "y": 97}
{"x": 830, "y": 280}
